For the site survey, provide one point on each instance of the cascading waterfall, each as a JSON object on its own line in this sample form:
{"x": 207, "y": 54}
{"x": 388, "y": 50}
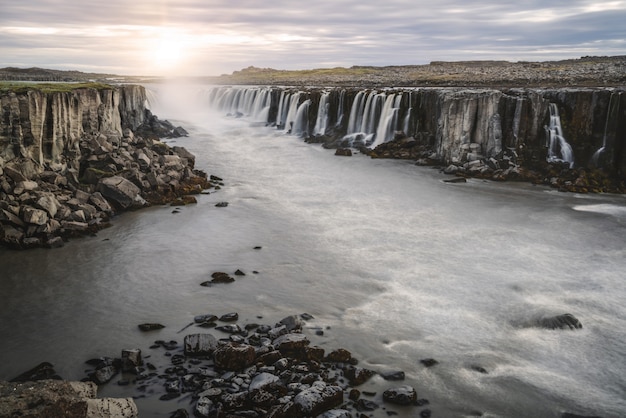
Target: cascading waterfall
{"x": 388, "y": 119}
{"x": 558, "y": 148}
{"x": 342, "y": 96}
{"x": 289, "y": 111}
{"x": 611, "y": 117}
{"x": 301, "y": 120}
{"x": 322, "y": 115}
{"x": 356, "y": 113}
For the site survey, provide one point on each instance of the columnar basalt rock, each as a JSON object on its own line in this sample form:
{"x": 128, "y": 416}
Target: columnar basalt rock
{"x": 71, "y": 160}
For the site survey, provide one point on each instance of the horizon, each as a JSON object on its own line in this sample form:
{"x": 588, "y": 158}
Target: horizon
{"x": 208, "y": 39}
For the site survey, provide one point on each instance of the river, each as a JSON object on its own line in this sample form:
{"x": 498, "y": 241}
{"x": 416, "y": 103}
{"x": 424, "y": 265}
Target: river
{"x": 394, "y": 264}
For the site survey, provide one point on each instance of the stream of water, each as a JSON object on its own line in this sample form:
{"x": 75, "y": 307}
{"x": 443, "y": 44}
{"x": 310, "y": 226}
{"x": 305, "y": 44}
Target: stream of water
{"x": 394, "y": 264}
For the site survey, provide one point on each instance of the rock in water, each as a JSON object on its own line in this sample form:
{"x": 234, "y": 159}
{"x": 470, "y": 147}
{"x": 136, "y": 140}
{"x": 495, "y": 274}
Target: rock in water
{"x": 403, "y": 395}
{"x": 565, "y": 321}
{"x": 121, "y": 191}
{"x": 234, "y": 356}
{"x": 200, "y": 344}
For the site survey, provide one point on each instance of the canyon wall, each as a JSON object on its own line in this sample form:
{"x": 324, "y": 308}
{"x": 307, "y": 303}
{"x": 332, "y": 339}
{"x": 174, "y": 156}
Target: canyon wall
{"x": 579, "y": 127}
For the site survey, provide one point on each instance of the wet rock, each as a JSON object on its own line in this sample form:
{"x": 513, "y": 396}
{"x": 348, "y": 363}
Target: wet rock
{"x": 345, "y": 152}
{"x": 403, "y": 395}
{"x": 292, "y": 323}
{"x": 229, "y": 317}
{"x": 131, "y": 359}
{"x": 150, "y": 326}
{"x": 565, "y": 321}
{"x": 339, "y": 355}
{"x": 263, "y": 380}
{"x": 220, "y": 277}
{"x": 365, "y": 405}
{"x": 198, "y": 319}
{"x": 429, "y": 362}
{"x": 234, "y": 356}
{"x": 358, "y": 375}
{"x": 291, "y": 343}
{"x": 393, "y": 375}
{"x": 199, "y": 344}
{"x": 42, "y": 371}
{"x": 221, "y": 204}
{"x": 318, "y": 398}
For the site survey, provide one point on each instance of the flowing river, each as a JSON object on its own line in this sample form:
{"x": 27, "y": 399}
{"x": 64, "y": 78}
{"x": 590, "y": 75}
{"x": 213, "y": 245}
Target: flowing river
{"x": 394, "y": 264}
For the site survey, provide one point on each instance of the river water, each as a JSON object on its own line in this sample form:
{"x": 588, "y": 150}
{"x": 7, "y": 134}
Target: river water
{"x": 394, "y": 264}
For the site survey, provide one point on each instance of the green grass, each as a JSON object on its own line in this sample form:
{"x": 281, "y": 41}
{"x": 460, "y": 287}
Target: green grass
{"x": 21, "y": 88}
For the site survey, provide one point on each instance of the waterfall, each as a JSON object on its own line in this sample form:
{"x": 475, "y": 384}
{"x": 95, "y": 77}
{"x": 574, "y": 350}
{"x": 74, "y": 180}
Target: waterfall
{"x": 301, "y": 120}
{"x": 342, "y": 95}
{"x": 613, "y": 109}
{"x": 407, "y": 121}
{"x": 557, "y": 145}
{"x": 322, "y": 115}
{"x": 517, "y": 118}
{"x": 388, "y": 120}
{"x": 290, "y": 110}
{"x": 356, "y": 113}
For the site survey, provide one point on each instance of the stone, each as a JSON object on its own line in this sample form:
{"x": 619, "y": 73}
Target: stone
{"x": 131, "y": 359}
{"x": 318, "y": 398}
{"x": 200, "y": 344}
{"x": 221, "y": 277}
{"x": 49, "y": 203}
{"x": 403, "y": 395}
{"x": 34, "y": 216}
{"x": 292, "y": 323}
{"x": 335, "y": 413}
{"x": 221, "y": 204}
{"x": 339, "y": 355}
{"x": 291, "y": 342}
{"x": 393, "y": 375}
{"x": 358, "y": 375}
{"x": 150, "y": 326}
{"x": 565, "y": 321}
{"x": 54, "y": 398}
{"x": 344, "y": 152}
{"x": 263, "y": 380}
{"x": 234, "y": 356}
{"x": 42, "y": 371}
{"x": 121, "y": 191}
{"x": 229, "y": 317}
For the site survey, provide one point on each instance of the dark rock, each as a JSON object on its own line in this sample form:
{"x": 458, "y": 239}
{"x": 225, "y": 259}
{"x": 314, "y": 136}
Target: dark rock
{"x": 565, "y": 321}
{"x": 104, "y": 374}
{"x": 354, "y": 394}
{"x": 365, "y": 405}
{"x": 239, "y": 273}
{"x": 263, "y": 380}
{"x": 131, "y": 359}
{"x": 234, "y": 356}
{"x": 220, "y": 277}
{"x": 318, "y": 398}
{"x": 42, "y": 371}
{"x": 290, "y": 343}
{"x": 479, "y": 369}
{"x": 307, "y": 317}
{"x": 221, "y": 204}
{"x": 403, "y": 395}
{"x": 121, "y": 191}
{"x": 339, "y": 355}
{"x": 150, "y": 326}
{"x": 455, "y": 180}
{"x": 345, "y": 152}
{"x": 200, "y": 344}
{"x": 229, "y": 317}
{"x": 394, "y": 375}
{"x": 230, "y": 328}
{"x": 358, "y": 375}
{"x": 198, "y": 319}
{"x": 292, "y": 323}
{"x": 429, "y": 362}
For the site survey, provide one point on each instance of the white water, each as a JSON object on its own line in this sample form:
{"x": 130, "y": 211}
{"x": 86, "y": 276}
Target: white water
{"x": 558, "y": 147}
{"x": 398, "y": 264}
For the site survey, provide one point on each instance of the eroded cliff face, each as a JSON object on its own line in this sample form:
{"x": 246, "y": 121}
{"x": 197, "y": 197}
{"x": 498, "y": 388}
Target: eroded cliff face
{"x": 576, "y": 127}
{"x": 71, "y": 160}
{"x": 44, "y": 129}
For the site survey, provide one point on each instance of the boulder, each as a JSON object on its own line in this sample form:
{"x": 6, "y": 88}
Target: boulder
{"x": 565, "y": 321}
{"x": 318, "y": 398}
{"x": 34, "y": 216}
{"x": 234, "y": 356}
{"x": 263, "y": 380}
{"x": 403, "y": 395}
{"x": 54, "y": 398}
{"x": 121, "y": 191}
{"x": 200, "y": 344}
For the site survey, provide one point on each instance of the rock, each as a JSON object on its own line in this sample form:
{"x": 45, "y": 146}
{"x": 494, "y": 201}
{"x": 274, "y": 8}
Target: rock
{"x": 42, "y": 371}
{"x": 198, "y": 319}
{"x": 290, "y": 343}
{"x": 565, "y": 321}
{"x": 35, "y": 216}
{"x": 234, "y": 356}
{"x": 394, "y": 375}
{"x": 150, "y": 326}
{"x": 221, "y": 204}
{"x": 358, "y": 375}
{"x": 121, "y": 191}
{"x": 318, "y": 398}
{"x": 345, "y": 152}
{"x": 104, "y": 374}
{"x": 455, "y": 180}
{"x": 131, "y": 359}
{"x": 429, "y": 362}
{"x": 335, "y": 413}
{"x": 220, "y": 277}
{"x": 229, "y": 317}
{"x": 262, "y": 380}
{"x": 365, "y": 405}
{"x": 339, "y": 355}
{"x": 292, "y": 323}
{"x": 403, "y": 395}
{"x": 199, "y": 344}
{"x": 49, "y": 398}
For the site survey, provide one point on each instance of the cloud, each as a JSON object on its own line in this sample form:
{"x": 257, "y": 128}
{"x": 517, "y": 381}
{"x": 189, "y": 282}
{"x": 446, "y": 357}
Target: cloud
{"x": 216, "y": 36}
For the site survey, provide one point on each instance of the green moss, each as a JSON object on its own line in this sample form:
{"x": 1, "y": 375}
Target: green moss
{"x": 21, "y": 88}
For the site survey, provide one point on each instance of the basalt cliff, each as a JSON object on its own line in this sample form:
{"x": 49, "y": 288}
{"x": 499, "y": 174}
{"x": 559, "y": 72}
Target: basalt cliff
{"x": 571, "y": 138}
{"x": 71, "y": 159}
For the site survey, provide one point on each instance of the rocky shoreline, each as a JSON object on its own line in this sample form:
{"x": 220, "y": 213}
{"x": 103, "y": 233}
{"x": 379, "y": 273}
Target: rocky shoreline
{"x": 82, "y": 169}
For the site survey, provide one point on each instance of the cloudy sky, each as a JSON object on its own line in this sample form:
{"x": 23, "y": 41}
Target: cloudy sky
{"x": 211, "y": 37}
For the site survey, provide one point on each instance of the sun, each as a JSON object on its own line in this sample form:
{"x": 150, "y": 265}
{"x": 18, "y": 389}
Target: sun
{"x": 167, "y": 54}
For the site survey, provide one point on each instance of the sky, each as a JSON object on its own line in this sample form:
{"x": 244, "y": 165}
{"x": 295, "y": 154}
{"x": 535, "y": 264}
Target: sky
{"x": 213, "y": 37}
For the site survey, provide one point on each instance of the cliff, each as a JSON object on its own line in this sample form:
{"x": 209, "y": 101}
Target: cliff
{"x": 535, "y": 134}
{"x": 69, "y": 160}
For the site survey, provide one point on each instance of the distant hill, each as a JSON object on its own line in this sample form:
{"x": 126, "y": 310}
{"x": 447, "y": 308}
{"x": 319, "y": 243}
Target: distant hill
{"x": 585, "y": 71}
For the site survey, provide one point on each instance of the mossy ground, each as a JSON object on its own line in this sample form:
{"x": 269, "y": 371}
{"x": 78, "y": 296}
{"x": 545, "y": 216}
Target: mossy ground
{"x": 21, "y": 88}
